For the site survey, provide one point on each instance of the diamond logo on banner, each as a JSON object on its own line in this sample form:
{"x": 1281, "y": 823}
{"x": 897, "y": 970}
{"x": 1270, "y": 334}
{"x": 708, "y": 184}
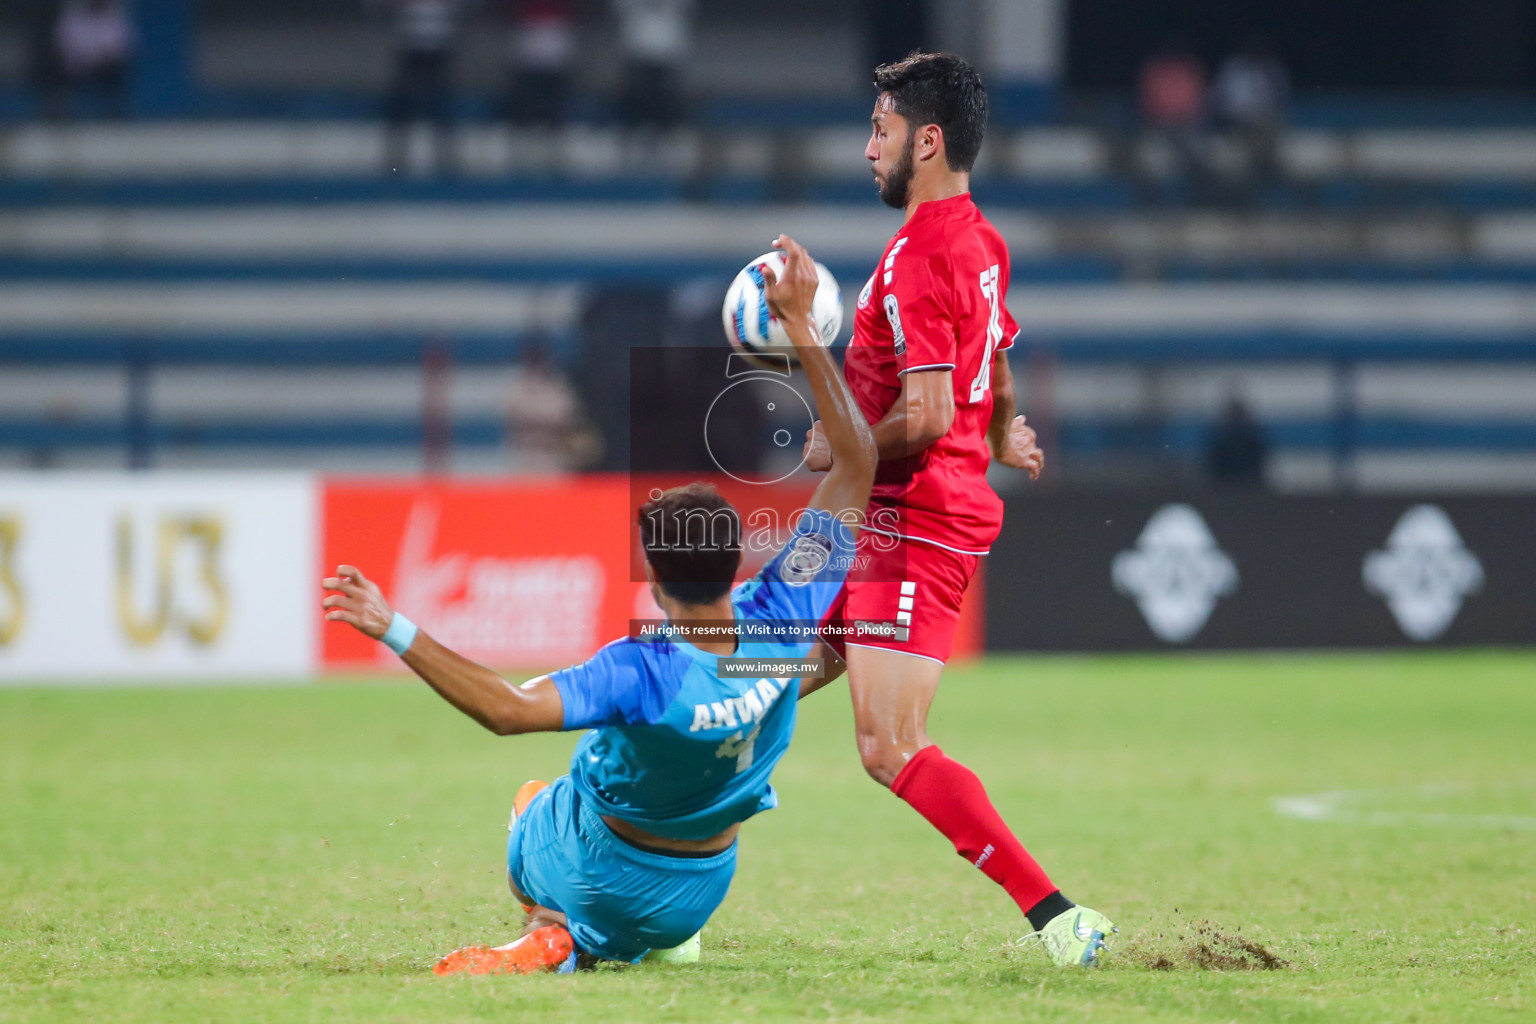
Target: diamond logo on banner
{"x": 1175, "y": 573}
{"x": 1425, "y": 573}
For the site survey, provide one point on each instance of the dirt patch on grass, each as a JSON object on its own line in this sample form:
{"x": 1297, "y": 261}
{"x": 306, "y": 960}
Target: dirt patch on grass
{"x": 1203, "y": 946}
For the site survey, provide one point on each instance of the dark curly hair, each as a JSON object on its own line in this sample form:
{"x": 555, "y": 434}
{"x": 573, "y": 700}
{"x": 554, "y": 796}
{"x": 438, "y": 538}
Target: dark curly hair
{"x": 941, "y": 89}
{"x": 692, "y": 538}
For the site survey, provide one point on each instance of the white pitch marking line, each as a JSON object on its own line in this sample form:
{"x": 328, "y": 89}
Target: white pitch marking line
{"x": 1344, "y": 805}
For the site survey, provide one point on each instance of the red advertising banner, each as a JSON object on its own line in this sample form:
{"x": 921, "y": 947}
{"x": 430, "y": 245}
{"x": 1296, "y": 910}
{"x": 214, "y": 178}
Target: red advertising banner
{"x": 514, "y": 574}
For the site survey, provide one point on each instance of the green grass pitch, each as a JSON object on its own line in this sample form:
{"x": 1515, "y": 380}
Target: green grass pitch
{"x": 306, "y": 853}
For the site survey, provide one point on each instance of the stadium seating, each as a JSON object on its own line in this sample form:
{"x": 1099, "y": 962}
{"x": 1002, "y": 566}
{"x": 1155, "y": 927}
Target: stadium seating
{"x": 136, "y": 253}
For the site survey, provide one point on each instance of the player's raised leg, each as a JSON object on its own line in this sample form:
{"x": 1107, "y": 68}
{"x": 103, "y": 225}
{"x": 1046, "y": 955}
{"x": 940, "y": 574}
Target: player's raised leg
{"x": 892, "y": 693}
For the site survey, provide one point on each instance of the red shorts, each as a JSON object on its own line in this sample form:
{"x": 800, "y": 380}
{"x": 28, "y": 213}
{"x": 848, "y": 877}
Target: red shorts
{"x": 901, "y": 596}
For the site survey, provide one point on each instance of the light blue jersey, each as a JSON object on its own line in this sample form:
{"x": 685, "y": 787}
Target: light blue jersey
{"x": 675, "y": 749}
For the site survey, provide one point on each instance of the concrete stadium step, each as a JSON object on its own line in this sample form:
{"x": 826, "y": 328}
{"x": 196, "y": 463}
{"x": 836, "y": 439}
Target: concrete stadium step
{"x": 504, "y": 231}
{"x": 278, "y": 308}
{"x": 607, "y": 237}
{"x": 231, "y": 149}
{"x": 1177, "y": 320}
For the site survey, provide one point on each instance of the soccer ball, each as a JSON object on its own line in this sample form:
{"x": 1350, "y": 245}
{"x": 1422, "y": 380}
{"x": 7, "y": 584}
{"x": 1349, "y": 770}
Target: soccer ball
{"x": 755, "y": 331}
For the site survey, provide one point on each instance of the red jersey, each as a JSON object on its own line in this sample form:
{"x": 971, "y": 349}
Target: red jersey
{"x": 935, "y": 302}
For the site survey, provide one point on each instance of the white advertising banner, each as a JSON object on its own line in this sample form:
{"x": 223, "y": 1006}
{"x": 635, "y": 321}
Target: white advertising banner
{"x": 157, "y": 576}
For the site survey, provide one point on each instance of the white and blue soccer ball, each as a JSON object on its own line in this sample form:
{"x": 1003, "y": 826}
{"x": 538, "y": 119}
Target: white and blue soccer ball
{"x": 753, "y": 330}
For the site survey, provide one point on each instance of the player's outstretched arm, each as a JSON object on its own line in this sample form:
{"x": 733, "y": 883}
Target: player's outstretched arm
{"x": 1012, "y": 441}
{"x": 921, "y": 414}
{"x": 481, "y": 694}
{"x": 845, "y": 491}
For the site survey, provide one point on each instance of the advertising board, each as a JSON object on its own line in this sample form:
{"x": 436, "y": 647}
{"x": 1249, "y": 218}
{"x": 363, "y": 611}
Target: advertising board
{"x": 156, "y": 576}
{"x": 1212, "y": 570}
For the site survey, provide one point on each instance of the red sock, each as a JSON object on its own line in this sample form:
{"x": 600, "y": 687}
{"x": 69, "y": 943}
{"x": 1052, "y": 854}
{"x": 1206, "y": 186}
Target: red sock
{"x": 954, "y": 801}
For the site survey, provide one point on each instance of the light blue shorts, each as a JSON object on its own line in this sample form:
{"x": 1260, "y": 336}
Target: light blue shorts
{"x": 620, "y": 901}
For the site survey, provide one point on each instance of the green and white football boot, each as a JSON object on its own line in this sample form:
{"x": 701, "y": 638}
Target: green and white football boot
{"x": 687, "y": 953}
{"x": 1077, "y": 937}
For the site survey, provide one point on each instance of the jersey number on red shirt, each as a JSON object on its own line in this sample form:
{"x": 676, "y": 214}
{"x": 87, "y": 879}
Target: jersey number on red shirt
{"x": 989, "y": 290}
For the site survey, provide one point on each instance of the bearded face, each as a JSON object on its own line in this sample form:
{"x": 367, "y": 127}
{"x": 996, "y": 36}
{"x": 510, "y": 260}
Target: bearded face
{"x": 897, "y": 182}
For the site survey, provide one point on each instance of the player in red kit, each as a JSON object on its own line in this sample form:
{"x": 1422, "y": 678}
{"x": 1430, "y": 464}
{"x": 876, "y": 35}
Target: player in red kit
{"x": 928, "y": 366}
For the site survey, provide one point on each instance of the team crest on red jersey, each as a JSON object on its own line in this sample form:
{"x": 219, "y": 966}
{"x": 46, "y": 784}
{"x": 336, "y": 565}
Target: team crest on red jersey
{"x": 893, "y": 314}
{"x": 869, "y": 287}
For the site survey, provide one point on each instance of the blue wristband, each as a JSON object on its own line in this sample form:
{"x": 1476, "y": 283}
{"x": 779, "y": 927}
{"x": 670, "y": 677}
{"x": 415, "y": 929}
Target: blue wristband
{"x": 400, "y": 634}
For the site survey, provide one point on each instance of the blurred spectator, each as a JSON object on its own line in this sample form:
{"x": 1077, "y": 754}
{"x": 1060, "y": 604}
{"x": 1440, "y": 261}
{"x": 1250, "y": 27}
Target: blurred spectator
{"x": 1250, "y": 96}
{"x": 1172, "y": 98}
{"x": 426, "y": 32}
{"x": 543, "y": 52}
{"x": 93, "y": 42}
{"x": 545, "y": 426}
{"x": 1236, "y": 451}
{"x": 654, "y": 37}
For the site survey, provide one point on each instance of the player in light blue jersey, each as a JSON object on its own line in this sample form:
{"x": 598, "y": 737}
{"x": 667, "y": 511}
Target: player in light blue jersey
{"x": 633, "y": 850}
